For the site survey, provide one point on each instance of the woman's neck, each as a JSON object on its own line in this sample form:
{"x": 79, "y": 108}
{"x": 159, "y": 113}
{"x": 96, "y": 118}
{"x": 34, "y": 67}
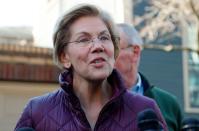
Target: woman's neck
{"x": 93, "y": 96}
{"x": 91, "y": 92}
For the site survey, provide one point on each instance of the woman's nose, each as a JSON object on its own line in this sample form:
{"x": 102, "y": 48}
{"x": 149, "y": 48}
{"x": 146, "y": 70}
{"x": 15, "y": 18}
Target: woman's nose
{"x": 97, "y": 46}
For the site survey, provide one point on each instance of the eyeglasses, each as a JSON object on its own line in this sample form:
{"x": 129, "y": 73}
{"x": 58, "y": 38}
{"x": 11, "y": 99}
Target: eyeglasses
{"x": 127, "y": 48}
{"x": 85, "y": 41}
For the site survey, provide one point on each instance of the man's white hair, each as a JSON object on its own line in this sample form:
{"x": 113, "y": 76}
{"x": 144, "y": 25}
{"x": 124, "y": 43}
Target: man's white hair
{"x": 131, "y": 34}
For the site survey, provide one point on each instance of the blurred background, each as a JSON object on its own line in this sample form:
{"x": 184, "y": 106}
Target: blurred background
{"x": 170, "y": 59}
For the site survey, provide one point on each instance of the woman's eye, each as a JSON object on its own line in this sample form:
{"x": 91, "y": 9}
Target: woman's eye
{"x": 104, "y": 38}
{"x": 84, "y": 40}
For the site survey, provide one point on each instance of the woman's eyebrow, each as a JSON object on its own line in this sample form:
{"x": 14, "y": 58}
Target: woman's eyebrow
{"x": 80, "y": 34}
{"x": 89, "y": 34}
{"x": 104, "y": 32}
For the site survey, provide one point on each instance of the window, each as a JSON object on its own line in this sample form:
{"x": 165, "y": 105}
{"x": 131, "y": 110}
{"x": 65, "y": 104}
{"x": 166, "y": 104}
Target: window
{"x": 191, "y": 70}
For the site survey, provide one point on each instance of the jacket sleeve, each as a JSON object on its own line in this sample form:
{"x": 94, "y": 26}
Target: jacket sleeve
{"x": 160, "y": 117}
{"x": 25, "y": 119}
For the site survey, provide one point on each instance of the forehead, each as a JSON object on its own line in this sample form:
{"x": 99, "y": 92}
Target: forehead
{"x": 89, "y": 24}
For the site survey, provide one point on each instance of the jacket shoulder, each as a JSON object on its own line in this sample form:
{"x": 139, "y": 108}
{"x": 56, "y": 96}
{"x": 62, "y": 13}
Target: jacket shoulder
{"x": 44, "y": 102}
{"x": 134, "y": 99}
{"x": 42, "y": 108}
{"x": 168, "y": 105}
{"x": 161, "y": 95}
{"x": 137, "y": 103}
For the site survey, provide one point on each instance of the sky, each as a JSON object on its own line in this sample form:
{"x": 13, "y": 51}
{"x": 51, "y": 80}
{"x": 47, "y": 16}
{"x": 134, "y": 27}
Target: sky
{"x": 42, "y": 20}
{"x": 18, "y": 12}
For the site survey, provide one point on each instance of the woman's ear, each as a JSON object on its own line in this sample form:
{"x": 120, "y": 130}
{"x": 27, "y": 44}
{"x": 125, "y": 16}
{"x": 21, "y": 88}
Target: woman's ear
{"x": 65, "y": 60}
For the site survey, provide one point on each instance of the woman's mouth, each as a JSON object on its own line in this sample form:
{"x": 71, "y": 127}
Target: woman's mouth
{"x": 98, "y": 62}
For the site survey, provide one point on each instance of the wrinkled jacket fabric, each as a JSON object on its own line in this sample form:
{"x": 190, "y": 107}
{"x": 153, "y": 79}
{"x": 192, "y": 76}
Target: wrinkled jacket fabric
{"x": 61, "y": 110}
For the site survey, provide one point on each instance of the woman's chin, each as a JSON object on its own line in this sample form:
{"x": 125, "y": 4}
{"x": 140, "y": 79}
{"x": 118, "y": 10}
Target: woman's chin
{"x": 100, "y": 76}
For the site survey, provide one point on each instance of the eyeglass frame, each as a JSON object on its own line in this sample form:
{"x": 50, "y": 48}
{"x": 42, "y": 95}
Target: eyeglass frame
{"x": 93, "y": 40}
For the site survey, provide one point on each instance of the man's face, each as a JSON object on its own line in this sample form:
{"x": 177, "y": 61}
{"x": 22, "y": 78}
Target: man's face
{"x": 124, "y": 59}
{"x": 127, "y": 60}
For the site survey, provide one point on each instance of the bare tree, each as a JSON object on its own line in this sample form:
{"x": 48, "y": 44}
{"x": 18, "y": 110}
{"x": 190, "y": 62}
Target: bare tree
{"x": 165, "y": 18}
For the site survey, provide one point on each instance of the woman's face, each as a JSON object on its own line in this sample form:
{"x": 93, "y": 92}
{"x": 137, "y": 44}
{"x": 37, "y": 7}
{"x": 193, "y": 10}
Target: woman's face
{"x": 90, "y": 50}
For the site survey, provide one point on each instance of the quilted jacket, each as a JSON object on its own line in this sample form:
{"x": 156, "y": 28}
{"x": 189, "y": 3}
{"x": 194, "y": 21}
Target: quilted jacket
{"x": 61, "y": 110}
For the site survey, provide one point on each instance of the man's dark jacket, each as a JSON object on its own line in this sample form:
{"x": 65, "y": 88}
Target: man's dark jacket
{"x": 167, "y": 103}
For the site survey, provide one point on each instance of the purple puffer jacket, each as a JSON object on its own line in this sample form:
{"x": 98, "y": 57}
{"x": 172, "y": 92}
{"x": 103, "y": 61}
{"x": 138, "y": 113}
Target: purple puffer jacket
{"x": 61, "y": 109}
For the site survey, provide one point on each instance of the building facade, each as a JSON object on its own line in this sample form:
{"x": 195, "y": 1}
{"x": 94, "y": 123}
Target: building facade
{"x": 25, "y": 72}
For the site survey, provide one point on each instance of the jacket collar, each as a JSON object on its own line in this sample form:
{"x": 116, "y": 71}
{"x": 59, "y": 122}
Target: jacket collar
{"x": 115, "y": 80}
{"x": 145, "y": 83}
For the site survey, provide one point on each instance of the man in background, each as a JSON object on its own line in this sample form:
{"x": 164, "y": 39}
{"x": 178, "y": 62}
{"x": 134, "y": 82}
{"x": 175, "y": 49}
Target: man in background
{"x": 127, "y": 64}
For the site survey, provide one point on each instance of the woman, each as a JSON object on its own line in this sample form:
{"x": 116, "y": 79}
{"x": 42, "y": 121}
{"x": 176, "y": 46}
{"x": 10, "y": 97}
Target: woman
{"x": 92, "y": 95}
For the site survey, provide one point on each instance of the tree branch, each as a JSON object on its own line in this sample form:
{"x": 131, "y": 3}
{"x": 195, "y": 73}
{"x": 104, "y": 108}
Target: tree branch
{"x": 169, "y": 47}
{"x": 193, "y": 8}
